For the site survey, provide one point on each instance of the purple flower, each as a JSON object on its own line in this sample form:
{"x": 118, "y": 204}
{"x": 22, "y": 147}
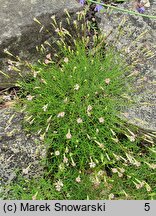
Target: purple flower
{"x": 141, "y": 9}
{"x": 82, "y": 2}
{"x": 98, "y": 7}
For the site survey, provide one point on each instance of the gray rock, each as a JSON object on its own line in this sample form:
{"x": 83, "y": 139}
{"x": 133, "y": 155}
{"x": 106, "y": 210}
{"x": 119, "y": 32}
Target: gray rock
{"x": 19, "y": 151}
{"x": 20, "y": 34}
{"x": 143, "y": 114}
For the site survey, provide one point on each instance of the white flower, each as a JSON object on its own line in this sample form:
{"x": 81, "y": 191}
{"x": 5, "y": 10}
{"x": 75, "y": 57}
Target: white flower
{"x": 73, "y": 163}
{"x": 29, "y": 97}
{"x": 100, "y": 173}
{"x": 47, "y": 61}
{"x": 97, "y": 130}
{"x": 58, "y": 185}
{"x": 10, "y": 67}
{"x": 101, "y": 120}
{"x": 25, "y": 171}
{"x": 89, "y": 108}
{"x": 122, "y": 170}
{"x": 120, "y": 174}
{"x": 65, "y": 159}
{"x": 61, "y": 114}
{"x": 10, "y": 62}
{"x": 79, "y": 120}
{"x": 92, "y": 164}
{"x": 152, "y": 166}
{"x": 43, "y": 81}
{"x": 131, "y": 138}
{"x": 137, "y": 163}
{"x": 35, "y": 73}
{"x": 5, "y": 50}
{"x": 107, "y": 81}
{"x": 7, "y": 97}
{"x": 53, "y": 17}
{"x": 111, "y": 196}
{"x": 76, "y": 87}
{"x": 48, "y": 56}
{"x": 57, "y": 30}
{"x": 114, "y": 170}
{"x": 68, "y": 135}
{"x": 66, "y": 60}
{"x": 78, "y": 179}
{"x": 57, "y": 153}
{"x": 138, "y": 186}
{"x": 45, "y": 107}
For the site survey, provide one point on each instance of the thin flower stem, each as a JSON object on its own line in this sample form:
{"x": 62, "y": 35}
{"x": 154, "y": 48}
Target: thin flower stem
{"x": 123, "y": 10}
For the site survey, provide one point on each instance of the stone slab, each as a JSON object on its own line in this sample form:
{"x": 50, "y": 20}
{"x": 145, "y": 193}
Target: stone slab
{"x": 19, "y": 151}
{"x": 20, "y": 34}
{"x": 144, "y": 112}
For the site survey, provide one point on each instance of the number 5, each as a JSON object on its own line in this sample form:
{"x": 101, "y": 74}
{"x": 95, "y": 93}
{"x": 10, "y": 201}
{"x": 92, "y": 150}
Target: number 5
{"x": 147, "y": 207}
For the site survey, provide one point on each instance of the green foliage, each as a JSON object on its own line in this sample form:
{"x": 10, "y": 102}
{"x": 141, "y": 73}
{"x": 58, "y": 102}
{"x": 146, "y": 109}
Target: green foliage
{"x": 74, "y": 105}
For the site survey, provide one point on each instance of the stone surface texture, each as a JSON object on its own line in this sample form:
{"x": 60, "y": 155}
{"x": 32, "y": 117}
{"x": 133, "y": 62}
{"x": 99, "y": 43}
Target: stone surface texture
{"x": 20, "y": 34}
{"x": 19, "y": 151}
{"x": 144, "y": 113}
